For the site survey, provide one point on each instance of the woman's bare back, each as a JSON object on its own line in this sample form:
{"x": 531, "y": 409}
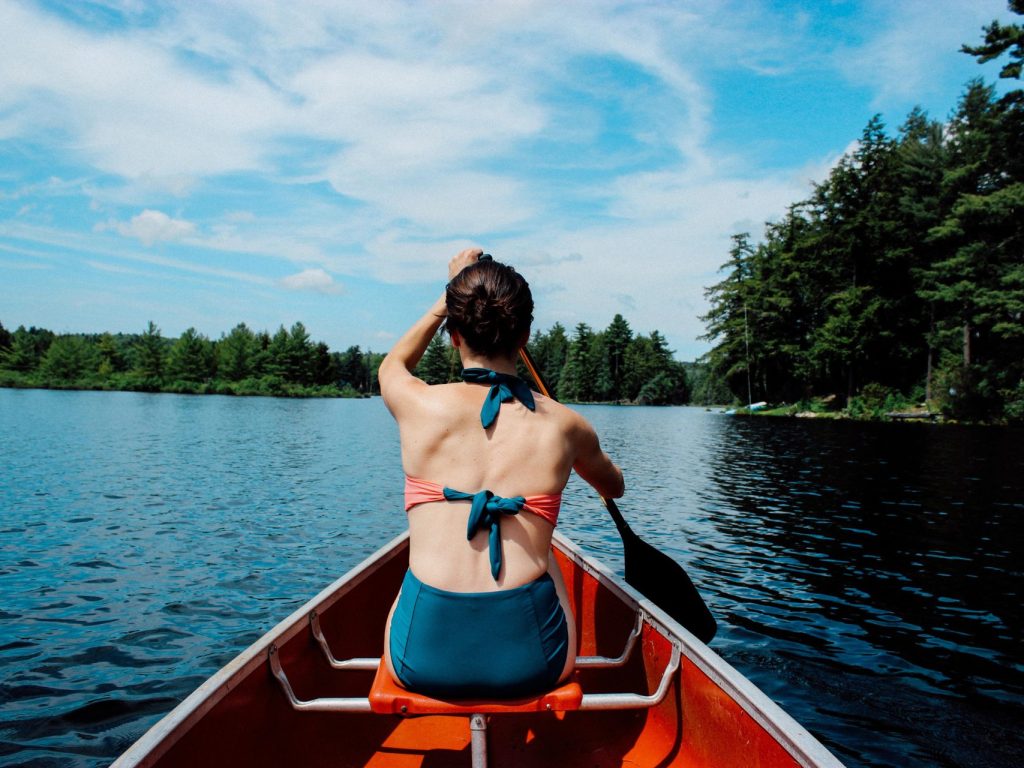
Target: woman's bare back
{"x": 523, "y": 453}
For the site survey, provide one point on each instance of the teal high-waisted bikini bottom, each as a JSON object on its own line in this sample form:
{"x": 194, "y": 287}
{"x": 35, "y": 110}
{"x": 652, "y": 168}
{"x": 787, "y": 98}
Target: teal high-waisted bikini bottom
{"x": 506, "y": 644}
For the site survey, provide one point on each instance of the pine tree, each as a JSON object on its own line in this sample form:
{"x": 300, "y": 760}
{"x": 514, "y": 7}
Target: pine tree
{"x": 578, "y": 377}
{"x": 110, "y": 357}
{"x": 191, "y": 358}
{"x": 22, "y": 354}
{"x": 617, "y": 337}
{"x": 150, "y": 358}
{"x": 549, "y": 352}
{"x": 299, "y": 363}
{"x": 352, "y": 369}
{"x": 435, "y": 367}
{"x": 235, "y": 353}
{"x": 68, "y": 359}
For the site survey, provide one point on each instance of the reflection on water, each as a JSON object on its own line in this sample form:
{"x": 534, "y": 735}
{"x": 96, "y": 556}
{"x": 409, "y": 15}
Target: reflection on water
{"x": 866, "y": 577}
{"x": 146, "y": 539}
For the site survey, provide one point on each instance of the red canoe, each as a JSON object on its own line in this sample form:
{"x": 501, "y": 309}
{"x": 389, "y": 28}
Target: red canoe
{"x": 646, "y": 693}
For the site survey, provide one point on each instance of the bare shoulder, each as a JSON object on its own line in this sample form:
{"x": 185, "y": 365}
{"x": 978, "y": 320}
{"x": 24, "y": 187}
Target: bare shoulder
{"x": 568, "y": 420}
{"x": 407, "y": 396}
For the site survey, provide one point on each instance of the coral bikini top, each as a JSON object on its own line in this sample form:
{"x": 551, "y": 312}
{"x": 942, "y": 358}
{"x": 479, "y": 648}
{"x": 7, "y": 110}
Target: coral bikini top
{"x": 419, "y": 491}
{"x": 485, "y": 511}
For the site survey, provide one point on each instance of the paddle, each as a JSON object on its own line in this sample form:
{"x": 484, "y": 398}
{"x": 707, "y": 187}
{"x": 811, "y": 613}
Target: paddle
{"x": 650, "y": 571}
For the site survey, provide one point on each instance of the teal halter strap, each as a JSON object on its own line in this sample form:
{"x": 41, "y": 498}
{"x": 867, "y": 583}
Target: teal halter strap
{"x": 486, "y": 512}
{"x": 504, "y": 388}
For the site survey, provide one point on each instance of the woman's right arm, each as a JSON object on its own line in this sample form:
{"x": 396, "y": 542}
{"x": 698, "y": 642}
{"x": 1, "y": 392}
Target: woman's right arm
{"x": 398, "y": 385}
{"x": 397, "y": 382}
{"x": 594, "y": 465}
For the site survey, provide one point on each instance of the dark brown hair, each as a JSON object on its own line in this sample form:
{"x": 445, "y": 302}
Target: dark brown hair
{"x": 490, "y": 307}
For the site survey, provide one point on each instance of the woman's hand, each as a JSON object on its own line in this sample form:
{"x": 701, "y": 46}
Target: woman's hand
{"x": 463, "y": 259}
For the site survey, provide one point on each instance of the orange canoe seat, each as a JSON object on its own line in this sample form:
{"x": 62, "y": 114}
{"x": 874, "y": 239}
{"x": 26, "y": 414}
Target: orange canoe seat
{"x": 389, "y": 698}
{"x": 386, "y": 697}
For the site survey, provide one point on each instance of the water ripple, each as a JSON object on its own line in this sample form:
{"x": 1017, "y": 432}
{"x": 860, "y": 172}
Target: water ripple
{"x": 866, "y": 577}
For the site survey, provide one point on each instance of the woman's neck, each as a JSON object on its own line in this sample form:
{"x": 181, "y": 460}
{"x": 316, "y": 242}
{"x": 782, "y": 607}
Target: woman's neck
{"x": 499, "y": 364}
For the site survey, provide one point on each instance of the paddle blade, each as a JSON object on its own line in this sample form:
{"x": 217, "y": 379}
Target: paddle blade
{"x": 665, "y": 583}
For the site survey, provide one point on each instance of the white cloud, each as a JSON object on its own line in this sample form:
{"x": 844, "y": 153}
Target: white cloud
{"x": 375, "y": 139}
{"x": 152, "y": 226}
{"x": 911, "y": 41}
{"x": 69, "y": 245}
{"x": 316, "y": 280}
{"x": 410, "y": 104}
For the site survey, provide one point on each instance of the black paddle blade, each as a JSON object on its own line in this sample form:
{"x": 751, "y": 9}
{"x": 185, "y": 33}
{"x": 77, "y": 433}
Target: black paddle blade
{"x": 663, "y": 581}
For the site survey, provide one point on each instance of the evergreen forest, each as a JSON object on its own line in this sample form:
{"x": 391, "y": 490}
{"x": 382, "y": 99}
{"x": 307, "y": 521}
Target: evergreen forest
{"x": 611, "y": 365}
{"x": 242, "y": 362}
{"x": 902, "y": 276}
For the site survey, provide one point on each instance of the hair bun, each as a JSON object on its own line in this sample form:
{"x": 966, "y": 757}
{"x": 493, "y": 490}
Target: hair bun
{"x": 490, "y": 306}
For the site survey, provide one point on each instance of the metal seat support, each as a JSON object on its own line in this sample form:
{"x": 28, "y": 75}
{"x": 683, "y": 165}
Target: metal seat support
{"x": 386, "y": 697}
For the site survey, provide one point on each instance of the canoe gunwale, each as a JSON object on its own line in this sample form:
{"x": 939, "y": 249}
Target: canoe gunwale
{"x": 152, "y": 745}
{"x": 793, "y": 737}
{"x": 796, "y": 739}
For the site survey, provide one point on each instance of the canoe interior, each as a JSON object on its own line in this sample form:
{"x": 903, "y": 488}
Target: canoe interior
{"x": 245, "y": 719}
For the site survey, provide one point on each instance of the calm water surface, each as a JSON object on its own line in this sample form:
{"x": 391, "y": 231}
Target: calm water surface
{"x": 866, "y": 577}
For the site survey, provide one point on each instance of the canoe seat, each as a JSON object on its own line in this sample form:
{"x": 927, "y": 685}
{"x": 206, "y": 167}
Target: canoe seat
{"x": 388, "y": 698}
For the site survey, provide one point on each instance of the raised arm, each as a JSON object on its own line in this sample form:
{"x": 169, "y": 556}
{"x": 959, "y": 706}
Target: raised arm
{"x": 593, "y": 464}
{"x": 397, "y": 383}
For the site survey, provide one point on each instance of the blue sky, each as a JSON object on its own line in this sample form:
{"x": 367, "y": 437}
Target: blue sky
{"x": 205, "y": 164}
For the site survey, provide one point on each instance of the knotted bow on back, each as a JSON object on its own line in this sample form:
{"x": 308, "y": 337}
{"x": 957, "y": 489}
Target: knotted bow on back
{"x": 486, "y": 512}
{"x": 504, "y": 388}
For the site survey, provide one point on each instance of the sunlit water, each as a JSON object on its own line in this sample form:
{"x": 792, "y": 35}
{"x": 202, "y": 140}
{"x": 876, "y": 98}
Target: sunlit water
{"x": 866, "y": 577}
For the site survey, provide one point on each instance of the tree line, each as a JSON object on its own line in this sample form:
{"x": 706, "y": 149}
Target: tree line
{"x": 613, "y": 365}
{"x": 901, "y": 275}
{"x": 242, "y": 362}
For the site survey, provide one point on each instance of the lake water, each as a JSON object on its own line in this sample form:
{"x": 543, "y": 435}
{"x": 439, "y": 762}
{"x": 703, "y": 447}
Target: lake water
{"x": 868, "y": 577}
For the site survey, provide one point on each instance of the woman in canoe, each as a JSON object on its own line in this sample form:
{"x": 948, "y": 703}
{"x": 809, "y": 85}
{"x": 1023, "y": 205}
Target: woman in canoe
{"x": 482, "y": 611}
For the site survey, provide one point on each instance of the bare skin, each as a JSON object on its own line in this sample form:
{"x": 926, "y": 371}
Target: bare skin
{"x": 522, "y": 453}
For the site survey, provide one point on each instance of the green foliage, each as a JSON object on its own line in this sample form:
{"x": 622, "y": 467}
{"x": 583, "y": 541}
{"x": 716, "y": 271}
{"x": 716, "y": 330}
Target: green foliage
{"x": 614, "y": 365}
{"x": 1013, "y": 403}
{"x": 706, "y": 388}
{"x": 353, "y": 369}
{"x": 150, "y": 359}
{"x": 236, "y": 353}
{"x": 68, "y": 359}
{"x": 875, "y": 401}
{"x": 240, "y": 363}
{"x": 902, "y": 271}
{"x": 549, "y": 351}
{"x": 192, "y": 358}
{"x": 440, "y": 363}
{"x": 617, "y": 338}
{"x": 23, "y": 354}
{"x": 579, "y": 373}
{"x": 999, "y": 39}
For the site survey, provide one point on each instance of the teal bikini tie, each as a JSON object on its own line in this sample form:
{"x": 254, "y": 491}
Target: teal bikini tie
{"x": 486, "y": 512}
{"x": 504, "y": 388}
